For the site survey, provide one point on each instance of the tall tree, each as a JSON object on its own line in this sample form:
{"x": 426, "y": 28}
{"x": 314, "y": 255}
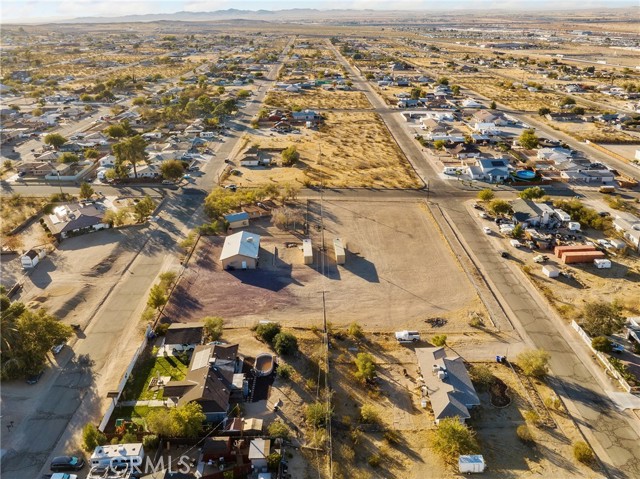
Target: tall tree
{"x": 86, "y": 190}
{"x": 131, "y": 150}
{"x": 55, "y": 139}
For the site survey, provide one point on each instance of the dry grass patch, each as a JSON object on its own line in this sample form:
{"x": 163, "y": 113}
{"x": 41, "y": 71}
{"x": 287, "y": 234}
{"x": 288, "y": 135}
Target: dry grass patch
{"x": 318, "y": 98}
{"x": 16, "y": 209}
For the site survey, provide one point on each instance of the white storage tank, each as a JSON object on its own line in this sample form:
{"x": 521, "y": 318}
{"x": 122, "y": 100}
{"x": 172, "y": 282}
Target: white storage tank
{"x": 471, "y": 463}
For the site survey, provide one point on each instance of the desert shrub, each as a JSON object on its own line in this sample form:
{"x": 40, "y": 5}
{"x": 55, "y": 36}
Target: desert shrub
{"x": 439, "y": 340}
{"x": 285, "y": 344}
{"x": 316, "y": 414}
{"x": 213, "y": 326}
{"x": 392, "y": 436}
{"x": 278, "y": 429}
{"x": 482, "y": 376}
{"x": 92, "y": 437}
{"x": 486, "y": 194}
{"x": 285, "y": 371}
{"x": 582, "y": 452}
{"x": 268, "y": 331}
{"x": 534, "y": 363}
{"x": 602, "y": 344}
{"x": 453, "y": 438}
{"x": 375, "y": 459}
{"x": 524, "y": 433}
{"x": 355, "y": 331}
{"x": 553, "y": 403}
{"x": 369, "y": 414}
{"x": 532, "y": 417}
{"x": 366, "y": 367}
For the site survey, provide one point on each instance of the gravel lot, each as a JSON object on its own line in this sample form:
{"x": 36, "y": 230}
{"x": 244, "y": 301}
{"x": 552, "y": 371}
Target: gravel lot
{"x": 381, "y": 286}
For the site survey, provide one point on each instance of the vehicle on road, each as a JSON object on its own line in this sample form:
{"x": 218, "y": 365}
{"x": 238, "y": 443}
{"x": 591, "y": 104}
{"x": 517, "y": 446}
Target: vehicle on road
{"x": 231, "y": 187}
{"x": 483, "y": 215}
{"x": 167, "y": 182}
{"x": 486, "y": 230}
{"x": 407, "y": 336}
{"x": 617, "y": 348}
{"x": 607, "y": 189}
{"x": 34, "y": 378}
{"x": 66, "y": 463}
{"x": 504, "y": 254}
{"x": 478, "y": 206}
{"x": 57, "y": 348}
{"x": 541, "y": 258}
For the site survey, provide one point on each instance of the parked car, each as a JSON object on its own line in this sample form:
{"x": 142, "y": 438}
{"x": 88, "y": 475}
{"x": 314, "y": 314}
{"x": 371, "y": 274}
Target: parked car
{"x": 57, "y": 348}
{"x": 617, "y": 348}
{"x": 66, "y": 463}
{"x": 482, "y": 215}
{"x": 63, "y": 475}
{"x": 504, "y": 254}
{"x": 167, "y": 182}
{"x": 478, "y": 206}
{"x": 183, "y": 348}
{"x": 486, "y": 230}
{"x": 231, "y": 187}
{"x": 34, "y": 378}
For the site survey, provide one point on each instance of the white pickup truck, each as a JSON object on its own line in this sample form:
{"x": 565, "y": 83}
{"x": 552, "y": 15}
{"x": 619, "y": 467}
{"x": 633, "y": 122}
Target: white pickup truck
{"x": 407, "y": 336}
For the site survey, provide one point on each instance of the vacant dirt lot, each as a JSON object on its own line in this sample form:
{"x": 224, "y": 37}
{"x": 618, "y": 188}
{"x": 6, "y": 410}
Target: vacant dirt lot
{"x": 350, "y": 150}
{"x": 317, "y": 98}
{"x": 383, "y": 287}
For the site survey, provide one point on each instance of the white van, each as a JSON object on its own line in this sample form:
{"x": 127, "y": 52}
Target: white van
{"x": 407, "y": 336}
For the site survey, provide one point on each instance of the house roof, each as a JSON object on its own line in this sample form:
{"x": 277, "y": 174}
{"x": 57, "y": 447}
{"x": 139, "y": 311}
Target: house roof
{"x": 31, "y": 254}
{"x": 242, "y": 243}
{"x": 236, "y": 216}
{"x": 453, "y": 395}
{"x": 493, "y": 163}
{"x": 524, "y": 210}
{"x": 259, "y": 448}
{"x": 216, "y": 445}
{"x": 181, "y": 333}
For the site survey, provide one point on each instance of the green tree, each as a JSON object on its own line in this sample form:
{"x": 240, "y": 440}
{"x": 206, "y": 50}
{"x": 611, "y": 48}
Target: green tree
{"x": 182, "y": 421}
{"x": 268, "y": 331}
{"x": 443, "y": 81}
{"x": 278, "y": 429}
{"x": 532, "y": 193}
{"x": 131, "y": 150}
{"x": 602, "y": 344}
{"x": 534, "y": 362}
{"x": 86, "y": 190}
{"x": 144, "y": 208}
{"x": 600, "y": 318}
{"x": 213, "y": 326}
{"x": 157, "y": 297}
{"x": 68, "y": 157}
{"x": 290, "y": 156}
{"x": 416, "y": 93}
{"x": 567, "y": 100}
{"x": 486, "y": 195}
{"x": 243, "y": 94}
{"x": 544, "y": 111}
{"x": 92, "y": 437}
{"x": 453, "y": 438}
{"x": 528, "y": 139}
{"x": 455, "y": 89}
{"x": 366, "y": 367}
{"x": 499, "y": 207}
{"x": 578, "y": 110}
{"x": 172, "y": 169}
{"x": 439, "y": 144}
{"x": 116, "y": 131}
{"x": 493, "y": 105}
{"x": 273, "y": 461}
{"x": 91, "y": 153}
{"x": 285, "y": 344}
{"x": 159, "y": 422}
{"x": 55, "y": 139}
{"x": 517, "y": 232}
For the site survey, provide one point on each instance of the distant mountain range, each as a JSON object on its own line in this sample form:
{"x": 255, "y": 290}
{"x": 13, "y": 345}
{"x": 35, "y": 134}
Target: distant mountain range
{"x": 235, "y": 14}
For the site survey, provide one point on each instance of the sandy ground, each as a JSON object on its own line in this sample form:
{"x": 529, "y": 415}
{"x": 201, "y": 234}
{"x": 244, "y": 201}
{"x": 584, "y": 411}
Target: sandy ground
{"x": 392, "y": 292}
{"x": 350, "y": 150}
{"x": 628, "y": 151}
{"x": 317, "y": 98}
{"x": 72, "y": 280}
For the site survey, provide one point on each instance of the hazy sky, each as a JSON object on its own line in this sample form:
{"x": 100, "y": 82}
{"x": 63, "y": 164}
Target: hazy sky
{"x": 52, "y": 9}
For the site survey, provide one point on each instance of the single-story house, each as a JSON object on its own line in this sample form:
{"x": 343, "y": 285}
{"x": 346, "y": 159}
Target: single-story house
{"x": 491, "y": 169}
{"x": 447, "y": 384}
{"x": 36, "y": 168}
{"x": 629, "y": 226}
{"x": 73, "y": 219}
{"x": 528, "y": 212}
{"x": 240, "y": 251}
{"x": 237, "y": 220}
{"x": 217, "y": 449}
{"x": 306, "y": 115}
{"x": 214, "y": 375}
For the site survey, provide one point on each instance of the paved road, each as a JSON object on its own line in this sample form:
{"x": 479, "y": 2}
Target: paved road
{"x": 614, "y": 435}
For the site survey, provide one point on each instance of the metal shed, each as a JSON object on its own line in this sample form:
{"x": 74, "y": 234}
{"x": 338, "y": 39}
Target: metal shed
{"x": 338, "y": 248}
{"x": 307, "y": 251}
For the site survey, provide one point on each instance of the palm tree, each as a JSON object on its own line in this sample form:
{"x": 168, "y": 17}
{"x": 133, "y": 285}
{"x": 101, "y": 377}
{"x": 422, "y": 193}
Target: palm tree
{"x": 131, "y": 150}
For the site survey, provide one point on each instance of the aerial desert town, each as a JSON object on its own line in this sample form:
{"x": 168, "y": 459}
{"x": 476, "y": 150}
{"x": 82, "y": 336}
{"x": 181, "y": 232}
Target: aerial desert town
{"x": 254, "y": 240}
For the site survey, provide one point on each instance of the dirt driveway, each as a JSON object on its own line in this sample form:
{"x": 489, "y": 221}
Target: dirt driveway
{"x": 382, "y": 286}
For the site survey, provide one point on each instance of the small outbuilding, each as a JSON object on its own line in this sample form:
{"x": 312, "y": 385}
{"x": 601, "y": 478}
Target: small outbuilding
{"x": 307, "y": 251}
{"x": 338, "y": 248}
{"x": 602, "y": 263}
{"x": 240, "y": 251}
{"x": 550, "y": 271}
{"x": 471, "y": 463}
{"x": 237, "y": 220}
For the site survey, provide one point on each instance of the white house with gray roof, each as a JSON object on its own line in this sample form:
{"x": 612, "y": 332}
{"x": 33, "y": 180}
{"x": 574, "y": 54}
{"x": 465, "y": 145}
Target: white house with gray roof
{"x": 447, "y": 384}
{"x": 240, "y": 251}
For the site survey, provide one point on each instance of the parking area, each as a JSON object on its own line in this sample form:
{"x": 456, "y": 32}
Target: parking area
{"x": 382, "y": 286}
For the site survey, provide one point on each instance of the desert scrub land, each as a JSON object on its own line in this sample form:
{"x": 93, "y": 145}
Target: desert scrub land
{"x": 318, "y": 98}
{"x": 349, "y": 150}
{"x": 16, "y": 209}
